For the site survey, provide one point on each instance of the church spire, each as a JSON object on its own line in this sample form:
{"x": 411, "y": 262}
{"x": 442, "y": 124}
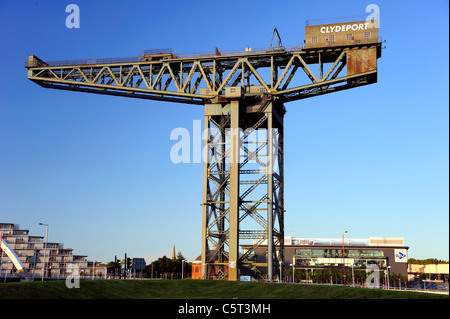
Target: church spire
{"x": 173, "y": 253}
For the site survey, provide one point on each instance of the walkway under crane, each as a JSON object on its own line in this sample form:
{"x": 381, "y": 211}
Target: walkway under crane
{"x": 242, "y": 92}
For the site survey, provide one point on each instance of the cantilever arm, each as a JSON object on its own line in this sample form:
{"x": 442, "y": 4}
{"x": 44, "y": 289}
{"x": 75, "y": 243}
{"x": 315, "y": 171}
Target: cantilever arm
{"x": 199, "y": 79}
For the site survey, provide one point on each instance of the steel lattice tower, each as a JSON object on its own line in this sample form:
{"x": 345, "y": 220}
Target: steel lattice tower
{"x": 243, "y": 186}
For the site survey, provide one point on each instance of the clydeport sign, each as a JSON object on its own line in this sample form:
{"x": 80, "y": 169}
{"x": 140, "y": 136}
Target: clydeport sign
{"x": 345, "y": 27}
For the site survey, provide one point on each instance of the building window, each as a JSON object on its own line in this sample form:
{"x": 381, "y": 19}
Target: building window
{"x": 349, "y": 37}
{"x": 366, "y": 35}
{"x": 314, "y": 40}
{"x": 331, "y": 38}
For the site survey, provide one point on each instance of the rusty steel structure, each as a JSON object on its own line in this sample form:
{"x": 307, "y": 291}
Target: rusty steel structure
{"x": 243, "y": 94}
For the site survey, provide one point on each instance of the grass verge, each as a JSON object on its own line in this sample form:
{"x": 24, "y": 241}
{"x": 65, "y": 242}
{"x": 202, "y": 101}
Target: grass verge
{"x": 195, "y": 289}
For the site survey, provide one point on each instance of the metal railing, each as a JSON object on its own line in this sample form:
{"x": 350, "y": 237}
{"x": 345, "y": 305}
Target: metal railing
{"x": 85, "y": 62}
{"x": 158, "y": 51}
{"x": 343, "y": 43}
{"x": 427, "y": 289}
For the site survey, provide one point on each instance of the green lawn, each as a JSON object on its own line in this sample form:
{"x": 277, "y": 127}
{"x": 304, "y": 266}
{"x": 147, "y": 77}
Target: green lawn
{"x": 194, "y": 289}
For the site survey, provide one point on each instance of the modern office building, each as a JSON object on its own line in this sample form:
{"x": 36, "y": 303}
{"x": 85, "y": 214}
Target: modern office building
{"x": 387, "y": 253}
{"x": 32, "y": 253}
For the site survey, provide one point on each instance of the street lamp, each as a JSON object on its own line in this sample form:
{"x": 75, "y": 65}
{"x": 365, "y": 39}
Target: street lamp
{"x": 353, "y": 276}
{"x": 293, "y": 272}
{"x": 182, "y": 268}
{"x": 45, "y": 248}
{"x": 387, "y": 273}
{"x": 281, "y": 264}
{"x": 343, "y": 253}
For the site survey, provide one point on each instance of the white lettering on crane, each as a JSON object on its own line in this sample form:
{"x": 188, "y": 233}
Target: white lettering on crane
{"x": 344, "y": 28}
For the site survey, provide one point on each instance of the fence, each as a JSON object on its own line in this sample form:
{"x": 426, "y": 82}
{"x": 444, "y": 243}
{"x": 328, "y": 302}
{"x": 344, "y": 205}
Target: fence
{"x": 162, "y": 51}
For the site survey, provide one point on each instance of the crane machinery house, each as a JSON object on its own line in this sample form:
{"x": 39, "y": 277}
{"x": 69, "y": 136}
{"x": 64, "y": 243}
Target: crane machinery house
{"x": 335, "y": 34}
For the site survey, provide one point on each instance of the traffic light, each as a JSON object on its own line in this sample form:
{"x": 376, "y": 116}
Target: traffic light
{"x": 116, "y": 262}
{"x": 128, "y": 263}
{"x": 116, "y": 266}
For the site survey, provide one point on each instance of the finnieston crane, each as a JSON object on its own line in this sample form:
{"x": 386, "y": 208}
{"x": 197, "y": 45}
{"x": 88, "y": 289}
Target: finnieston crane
{"x": 243, "y": 178}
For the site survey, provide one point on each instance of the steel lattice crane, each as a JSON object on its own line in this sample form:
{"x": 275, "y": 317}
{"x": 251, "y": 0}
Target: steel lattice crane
{"x": 243, "y": 93}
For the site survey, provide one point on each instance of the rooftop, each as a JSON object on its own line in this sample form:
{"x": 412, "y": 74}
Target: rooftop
{"x": 369, "y": 242}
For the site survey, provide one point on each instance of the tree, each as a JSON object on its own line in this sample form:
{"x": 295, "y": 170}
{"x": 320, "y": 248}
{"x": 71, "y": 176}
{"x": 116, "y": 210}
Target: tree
{"x": 180, "y": 256}
{"x": 426, "y": 261}
{"x": 167, "y": 268}
{"x": 112, "y": 266}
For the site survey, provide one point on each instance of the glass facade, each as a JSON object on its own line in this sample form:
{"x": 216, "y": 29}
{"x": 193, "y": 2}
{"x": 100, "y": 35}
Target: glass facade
{"x": 321, "y": 258}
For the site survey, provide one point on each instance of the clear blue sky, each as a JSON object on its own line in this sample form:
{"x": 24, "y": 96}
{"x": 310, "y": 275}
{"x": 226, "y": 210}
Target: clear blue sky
{"x": 372, "y": 160}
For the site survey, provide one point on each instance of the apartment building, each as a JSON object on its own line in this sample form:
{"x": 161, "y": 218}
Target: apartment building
{"x": 33, "y": 253}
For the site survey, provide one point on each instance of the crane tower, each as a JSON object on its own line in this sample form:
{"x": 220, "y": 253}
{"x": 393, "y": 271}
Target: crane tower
{"x": 244, "y": 94}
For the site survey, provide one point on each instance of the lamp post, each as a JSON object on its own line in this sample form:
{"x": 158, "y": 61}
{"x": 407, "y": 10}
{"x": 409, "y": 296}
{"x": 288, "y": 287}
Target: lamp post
{"x": 343, "y": 253}
{"x": 34, "y": 261}
{"x": 182, "y": 268}
{"x": 293, "y": 272}
{"x": 281, "y": 264}
{"x": 353, "y": 276}
{"x": 387, "y": 273}
{"x": 45, "y": 248}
